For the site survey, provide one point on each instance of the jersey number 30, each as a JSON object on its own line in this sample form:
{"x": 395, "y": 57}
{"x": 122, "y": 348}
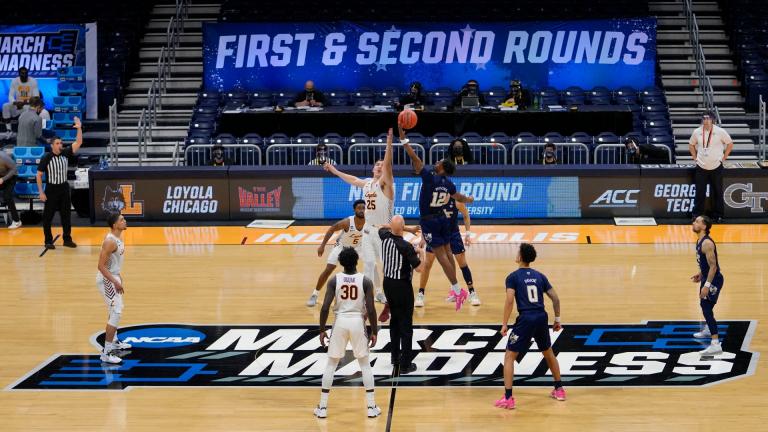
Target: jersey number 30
{"x": 439, "y": 199}
{"x": 348, "y": 292}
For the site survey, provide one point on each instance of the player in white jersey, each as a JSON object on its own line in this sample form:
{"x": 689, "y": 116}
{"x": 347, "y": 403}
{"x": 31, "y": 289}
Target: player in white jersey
{"x": 352, "y": 295}
{"x": 110, "y": 284}
{"x": 351, "y": 236}
{"x": 379, "y": 196}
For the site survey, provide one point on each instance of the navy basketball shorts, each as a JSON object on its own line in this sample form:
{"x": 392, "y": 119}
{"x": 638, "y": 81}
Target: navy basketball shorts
{"x": 529, "y": 325}
{"x": 436, "y": 232}
{"x": 714, "y": 290}
{"x": 457, "y": 243}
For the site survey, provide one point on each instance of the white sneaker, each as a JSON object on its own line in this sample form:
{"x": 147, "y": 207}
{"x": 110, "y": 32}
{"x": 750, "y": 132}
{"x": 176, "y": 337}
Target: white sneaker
{"x": 109, "y": 358}
{"x": 120, "y": 345}
{"x": 712, "y": 350}
{"x": 381, "y": 298}
{"x": 374, "y": 411}
{"x": 312, "y": 301}
{"x": 474, "y": 298}
{"x": 704, "y": 333}
{"x": 419, "y": 300}
{"x": 321, "y": 412}
{"x": 15, "y": 225}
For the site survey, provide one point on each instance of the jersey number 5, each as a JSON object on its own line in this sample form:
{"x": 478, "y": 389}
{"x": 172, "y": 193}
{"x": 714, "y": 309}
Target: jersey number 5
{"x": 348, "y": 292}
{"x": 439, "y": 199}
{"x": 533, "y": 293}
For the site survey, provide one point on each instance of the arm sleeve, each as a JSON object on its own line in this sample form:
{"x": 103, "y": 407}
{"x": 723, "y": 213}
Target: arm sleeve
{"x": 44, "y": 161}
{"x": 510, "y": 282}
{"x": 451, "y": 188}
{"x": 410, "y": 254}
{"x": 726, "y": 137}
{"x": 545, "y": 285}
{"x": 383, "y": 233}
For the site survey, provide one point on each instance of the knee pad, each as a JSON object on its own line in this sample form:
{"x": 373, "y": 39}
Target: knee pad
{"x": 114, "y": 318}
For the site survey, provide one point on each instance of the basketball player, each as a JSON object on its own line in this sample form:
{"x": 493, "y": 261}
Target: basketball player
{"x": 709, "y": 288}
{"x": 110, "y": 284}
{"x": 352, "y": 236}
{"x": 436, "y": 192}
{"x": 457, "y": 248}
{"x": 527, "y": 286}
{"x": 352, "y": 293}
{"x": 379, "y": 196}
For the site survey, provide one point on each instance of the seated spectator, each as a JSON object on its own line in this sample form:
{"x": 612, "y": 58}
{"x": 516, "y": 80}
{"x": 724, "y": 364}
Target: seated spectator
{"x": 459, "y": 152}
{"x": 310, "y": 97}
{"x": 218, "y": 158}
{"x": 321, "y": 156}
{"x": 549, "y": 157}
{"x": 644, "y": 153}
{"x": 415, "y": 97}
{"x": 8, "y": 176}
{"x": 22, "y": 89}
{"x": 30, "y": 124}
{"x": 517, "y": 96}
{"x": 470, "y": 89}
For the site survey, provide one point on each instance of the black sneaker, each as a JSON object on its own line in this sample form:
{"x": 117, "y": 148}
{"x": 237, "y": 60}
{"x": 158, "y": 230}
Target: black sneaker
{"x": 70, "y": 244}
{"x": 719, "y": 220}
{"x": 50, "y": 246}
{"x": 408, "y": 369}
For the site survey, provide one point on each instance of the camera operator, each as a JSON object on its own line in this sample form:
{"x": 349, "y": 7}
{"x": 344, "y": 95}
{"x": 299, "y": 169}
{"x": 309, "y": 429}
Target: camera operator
{"x": 645, "y": 153}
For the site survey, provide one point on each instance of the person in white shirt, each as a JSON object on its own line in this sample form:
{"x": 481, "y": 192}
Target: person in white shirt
{"x": 22, "y": 89}
{"x": 710, "y": 146}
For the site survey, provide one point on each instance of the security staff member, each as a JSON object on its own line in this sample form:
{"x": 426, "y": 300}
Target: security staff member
{"x": 400, "y": 259}
{"x": 55, "y": 165}
{"x": 710, "y": 146}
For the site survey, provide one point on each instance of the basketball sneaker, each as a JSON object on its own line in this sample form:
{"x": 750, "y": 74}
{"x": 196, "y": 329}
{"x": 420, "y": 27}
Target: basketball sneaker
{"x": 117, "y": 344}
{"x": 451, "y": 296}
{"x": 474, "y": 298}
{"x": 419, "y": 300}
{"x": 321, "y": 412}
{"x": 703, "y": 334}
{"x": 712, "y": 350}
{"x": 461, "y": 297}
{"x": 558, "y": 394}
{"x": 381, "y": 298}
{"x": 505, "y": 403}
{"x": 110, "y": 358}
{"x": 312, "y": 301}
{"x": 14, "y": 225}
{"x": 374, "y": 411}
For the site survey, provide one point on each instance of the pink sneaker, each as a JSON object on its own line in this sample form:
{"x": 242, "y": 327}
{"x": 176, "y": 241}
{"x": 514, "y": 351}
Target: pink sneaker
{"x": 558, "y": 394}
{"x": 461, "y": 297}
{"x": 451, "y": 296}
{"x": 505, "y": 403}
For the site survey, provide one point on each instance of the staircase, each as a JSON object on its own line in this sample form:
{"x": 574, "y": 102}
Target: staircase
{"x": 179, "y": 95}
{"x": 680, "y": 80}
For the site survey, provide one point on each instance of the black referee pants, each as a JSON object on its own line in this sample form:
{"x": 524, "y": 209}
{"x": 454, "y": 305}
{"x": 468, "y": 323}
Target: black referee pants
{"x": 400, "y": 299}
{"x": 58, "y": 199}
{"x": 713, "y": 178}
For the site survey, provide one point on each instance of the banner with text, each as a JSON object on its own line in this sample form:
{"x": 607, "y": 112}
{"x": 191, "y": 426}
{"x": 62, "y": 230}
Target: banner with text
{"x": 349, "y": 55}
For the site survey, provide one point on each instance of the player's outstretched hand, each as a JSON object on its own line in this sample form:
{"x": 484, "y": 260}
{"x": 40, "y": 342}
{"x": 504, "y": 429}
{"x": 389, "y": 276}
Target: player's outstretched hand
{"x": 470, "y": 199}
{"x": 557, "y": 326}
{"x": 372, "y": 341}
{"x": 77, "y": 124}
{"x": 503, "y": 330}
{"x": 389, "y": 135}
{"x": 330, "y": 168}
{"x": 401, "y": 132}
{"x": 323, "y": 338}
{"x": 696, "y": 278}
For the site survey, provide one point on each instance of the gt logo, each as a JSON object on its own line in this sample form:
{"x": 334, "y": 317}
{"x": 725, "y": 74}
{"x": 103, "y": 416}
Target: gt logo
{"x": 617, "y": 198}
{"x": 740, "y": 195}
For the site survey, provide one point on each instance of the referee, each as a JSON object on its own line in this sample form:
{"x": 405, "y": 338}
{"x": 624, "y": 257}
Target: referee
{"x": 400, "y": 259}
{"x": 55, "y": 165}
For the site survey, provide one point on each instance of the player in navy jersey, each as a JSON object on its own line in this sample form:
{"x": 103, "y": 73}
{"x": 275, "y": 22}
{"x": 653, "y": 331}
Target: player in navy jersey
{"x": 436, "y": 191}
{"x": 711, "y": 283}
{"x": 457, "y": 249}
{"x": 527, "y": 287}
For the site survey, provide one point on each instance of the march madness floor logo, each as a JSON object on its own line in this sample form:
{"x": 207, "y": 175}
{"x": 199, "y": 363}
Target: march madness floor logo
{"x": 656, "y": 353}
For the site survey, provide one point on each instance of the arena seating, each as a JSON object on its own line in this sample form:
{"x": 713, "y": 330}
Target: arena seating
{"x": 748, "y": 21}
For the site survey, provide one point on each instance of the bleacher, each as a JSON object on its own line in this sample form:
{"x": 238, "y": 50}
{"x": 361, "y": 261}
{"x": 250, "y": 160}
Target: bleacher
{"x": 748, "y": 22}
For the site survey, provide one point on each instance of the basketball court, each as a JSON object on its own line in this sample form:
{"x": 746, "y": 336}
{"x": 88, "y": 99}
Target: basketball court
{"x": 619, "y": 287}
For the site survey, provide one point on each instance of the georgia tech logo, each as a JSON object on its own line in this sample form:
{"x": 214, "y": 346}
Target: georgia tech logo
{"x": 617, "y": 198}
{"x": 120, "y": 199}
{"x": 742, "y": 192}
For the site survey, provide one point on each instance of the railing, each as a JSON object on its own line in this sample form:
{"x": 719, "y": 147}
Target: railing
{"x": 614, "y": 154}
{"x": 235, "y": 154}
{"x": 566, "y": 154}
{"x": 369, "y": 153}
{"x": 177, "y": 154}
{"x": 704, "y": 83}
{"x": 143, "y": 135}
{"x": 482, "y": 153}
{"x": 302, "y": 154}
{"x": 114, "y": 139}
{"x": 762, "y": 128}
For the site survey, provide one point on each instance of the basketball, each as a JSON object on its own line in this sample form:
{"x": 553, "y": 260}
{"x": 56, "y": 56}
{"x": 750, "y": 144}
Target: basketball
{"x": 407, "y": 119}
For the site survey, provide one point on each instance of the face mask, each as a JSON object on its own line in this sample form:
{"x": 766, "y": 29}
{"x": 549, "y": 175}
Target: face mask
{"x": 631, "y": 150}
{"x": 549, "y": 154}
{"x": 457, "y": 151}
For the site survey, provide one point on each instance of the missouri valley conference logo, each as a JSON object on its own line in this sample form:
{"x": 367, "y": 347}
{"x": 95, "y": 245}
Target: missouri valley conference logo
{"x": 656, "y": 353}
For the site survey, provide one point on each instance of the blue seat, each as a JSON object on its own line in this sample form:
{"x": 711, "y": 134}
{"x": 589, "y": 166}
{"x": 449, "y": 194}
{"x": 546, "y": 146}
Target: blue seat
{"x": 305, "y": 138}
{"x": 417, "y": 138}
{"x": 260, "y": 99}
{"x": 380, "y": 138}
{"x": 278, "y": 138}
{"x": 27, "y": 172}
{"x": 359, "y": 138}
{"x": 574, "y": 96}
{"x": 607, "y": 138}
{"x": 600, "y": 100}
{"x": 553, "y": 137}
{"x": 225, "y": 138}
{"x": 581, "y": 137}
{"x": 27, "y": 190}
{"x": 71, "y": 73}
{"x": 499, "y": 138}
{"x": 66, "y": 88}
{"x": 627, "y": 92}
{"x": 441, "y": 138}
{"x": 338, "y": 98}
{"x": 198, "y": 138}
{"x": 252, "y": 138}
{"x": 526, "y": 138}
{"x": 363, "y": 101}
{"x": 28, "y": 155}
{"x": 334, "y": 138}
{"x": 441, "y": 101}
{"x": 66, "y": 134}
{"x": 63, "y": 119}
{"x": 472, "y": 137}
{"x": 389, "y": 94}
{"x": 283, "y": 98}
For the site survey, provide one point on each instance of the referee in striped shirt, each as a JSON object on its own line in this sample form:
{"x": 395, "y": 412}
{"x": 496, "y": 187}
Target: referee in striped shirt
{"x": 55, "y": 165}
{"x": 400, "y": 260}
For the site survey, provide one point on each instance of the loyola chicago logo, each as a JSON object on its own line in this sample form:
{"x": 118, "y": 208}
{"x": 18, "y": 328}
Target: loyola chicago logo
{"x": 656, "y": 353}
{"x": 162, "y": 337}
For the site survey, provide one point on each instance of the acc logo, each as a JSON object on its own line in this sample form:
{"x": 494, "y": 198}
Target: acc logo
{"x": 617, "y": 198}
{"x": 746, "y": 199}
{"x": 120, "y": 199}
{"x": 162, "y": 337}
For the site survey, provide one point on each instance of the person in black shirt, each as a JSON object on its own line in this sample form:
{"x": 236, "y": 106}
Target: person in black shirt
{"x": 645, "y": 153}
{"x": 415, "y": 97}
{"x": 218, "y": 157}
{"x": 8, "y": 175}
{"x": 55, "y": 166}
{"x": 400, "y": 260}
{"x": 549, "y": 157}
{"x": 310, "y": 97}
{"x": 459, "y": 152}
{"x": 470, "y": 89}
{"x": 518, "y": 96}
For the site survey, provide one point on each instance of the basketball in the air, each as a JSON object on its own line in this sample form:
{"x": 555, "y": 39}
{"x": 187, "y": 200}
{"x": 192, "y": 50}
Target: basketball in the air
{"x": 407, "y": 119}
